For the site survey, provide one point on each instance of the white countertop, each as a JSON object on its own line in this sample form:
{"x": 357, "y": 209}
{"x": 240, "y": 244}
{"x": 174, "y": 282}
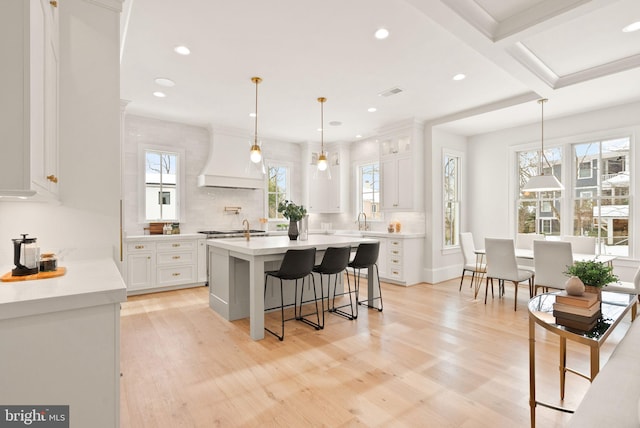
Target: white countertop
{"x": 86, "y": 283}
{"x": 263, "y": 245}
{"x": 165, "y": 237}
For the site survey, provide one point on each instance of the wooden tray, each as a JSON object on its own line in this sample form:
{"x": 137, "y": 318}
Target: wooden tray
{"x": 7, "y": 277}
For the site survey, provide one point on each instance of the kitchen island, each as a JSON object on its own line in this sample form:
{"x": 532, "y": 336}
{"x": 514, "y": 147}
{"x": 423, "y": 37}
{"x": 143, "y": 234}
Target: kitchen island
{"x": 237, "y": 266}
{"x": 61, "y": 342}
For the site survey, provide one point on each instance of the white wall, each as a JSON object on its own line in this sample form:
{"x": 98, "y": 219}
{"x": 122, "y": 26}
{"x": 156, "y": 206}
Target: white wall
{"x": 86, "y": 223}
{"x": 490, "y": 197}
{"x": 204, "y": 206}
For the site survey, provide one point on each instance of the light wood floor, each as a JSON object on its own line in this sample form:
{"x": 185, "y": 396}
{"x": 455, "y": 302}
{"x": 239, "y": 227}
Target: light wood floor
{"x": 433, "y": 358}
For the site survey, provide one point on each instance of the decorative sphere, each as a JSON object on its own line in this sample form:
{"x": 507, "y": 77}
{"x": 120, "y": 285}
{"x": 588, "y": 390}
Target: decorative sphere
{"x": 574, "y": 286}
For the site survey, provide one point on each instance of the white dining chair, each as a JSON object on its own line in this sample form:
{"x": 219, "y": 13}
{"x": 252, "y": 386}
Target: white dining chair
{"x": 629, "y": 288}
{"x": 551, "y": 259}
{"x": 470, "y": 259}
{"x": 581, "y": 244}
{"x": 524, "y": 241}
{"x": 502, "y": 265}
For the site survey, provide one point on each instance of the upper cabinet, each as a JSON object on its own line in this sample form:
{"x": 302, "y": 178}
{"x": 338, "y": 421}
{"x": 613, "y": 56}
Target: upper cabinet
{"x": 327, "y": 195}
{"x": 401, "y": 157}
{"x": 29, "y": 128}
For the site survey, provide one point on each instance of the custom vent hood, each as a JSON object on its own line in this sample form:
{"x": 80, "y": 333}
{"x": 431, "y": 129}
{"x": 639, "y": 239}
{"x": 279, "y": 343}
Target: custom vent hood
{"x": 228, "y": 163}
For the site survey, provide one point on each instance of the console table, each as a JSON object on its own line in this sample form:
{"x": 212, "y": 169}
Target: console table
{"x": 614, "y": 307}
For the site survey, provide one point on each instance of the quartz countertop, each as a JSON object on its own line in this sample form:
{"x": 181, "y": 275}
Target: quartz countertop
{"x": 164, "y": 237}
{"x": 86, "y": 283}
{"x": 262, "y": 245}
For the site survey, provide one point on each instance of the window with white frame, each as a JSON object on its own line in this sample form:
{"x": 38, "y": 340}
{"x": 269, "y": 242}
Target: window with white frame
{"x": 601, "y": 201}
{"x": 539, "y": 212}
{"x": 277, "y": 189}
{"x": 369, "y": 190}
{"x": 451, "y": 199}
{"x": 161, "y": 185}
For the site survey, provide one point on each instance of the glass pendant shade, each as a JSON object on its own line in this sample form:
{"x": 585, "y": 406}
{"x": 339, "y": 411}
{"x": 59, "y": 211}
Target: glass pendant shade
{"x": 255, "y": 153}
{"x": 322, "y": 166}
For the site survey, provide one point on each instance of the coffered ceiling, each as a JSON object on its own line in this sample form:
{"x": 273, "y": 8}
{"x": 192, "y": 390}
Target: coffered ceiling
{"x": 512, "y": 52}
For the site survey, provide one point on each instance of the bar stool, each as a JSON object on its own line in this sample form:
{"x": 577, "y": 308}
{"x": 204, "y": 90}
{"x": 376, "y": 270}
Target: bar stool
{"x": 296, "y": 264}
{"x": 334, "y": 262}
{"x": 366, "y": 257}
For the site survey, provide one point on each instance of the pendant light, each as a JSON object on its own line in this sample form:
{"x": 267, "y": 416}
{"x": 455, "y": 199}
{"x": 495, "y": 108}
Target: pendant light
{"x": 255, "y": 154}
{"x": 323, "y": 161}
{"x": 541, "y": 182}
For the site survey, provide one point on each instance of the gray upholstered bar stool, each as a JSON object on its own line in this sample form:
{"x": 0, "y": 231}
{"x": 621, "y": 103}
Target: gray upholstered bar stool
{"x": 296, "y": 265}
{"x": 366, "y": 257}
{"x": 334, "y": 262}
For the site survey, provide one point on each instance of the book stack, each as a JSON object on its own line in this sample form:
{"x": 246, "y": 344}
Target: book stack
{"x": 577, "y": 312}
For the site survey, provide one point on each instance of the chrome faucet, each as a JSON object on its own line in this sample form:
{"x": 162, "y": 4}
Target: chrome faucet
{"x": 365, "y": 221}
{"x": 245, "y": 223}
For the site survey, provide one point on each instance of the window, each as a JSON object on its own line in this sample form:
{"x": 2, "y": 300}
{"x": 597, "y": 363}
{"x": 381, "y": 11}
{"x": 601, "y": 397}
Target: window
{"x": 539, "y": 212}
{"x": 585, "y": 170}
{"x": 451, "y": 195}
{"x": 369, "y": 190}
{"x": 162, "y": 198}
{"x": 277, "y": 189}
{"x": 601, "y": 201}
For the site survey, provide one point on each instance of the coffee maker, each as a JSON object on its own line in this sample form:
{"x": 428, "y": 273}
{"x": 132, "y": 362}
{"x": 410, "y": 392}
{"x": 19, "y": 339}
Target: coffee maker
{"x": 26, "y": 256}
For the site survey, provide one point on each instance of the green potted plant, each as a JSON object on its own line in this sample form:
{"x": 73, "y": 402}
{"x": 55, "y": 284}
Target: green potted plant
{"x": 592, "y": 273}
{"x": 294, "y": 213}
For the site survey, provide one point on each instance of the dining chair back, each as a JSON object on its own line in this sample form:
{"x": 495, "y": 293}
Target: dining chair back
{"x": 367, "y": 258}
{"x": 581, "y": 244}
{"x": 502, "y": 265}
{"x": 524, "y": 241}
{"x": 628, "y": 288}
{"x": 334, "y": 262}
{"x": 551, "y": 259}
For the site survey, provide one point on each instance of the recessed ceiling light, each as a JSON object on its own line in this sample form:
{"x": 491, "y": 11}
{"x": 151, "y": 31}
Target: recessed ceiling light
{"x": 163, "y": 81}
{"x": 372, "y": 109}
{"x": 252, "y": 115}
{"x": 632, "y": 27}
{"x": 159, "y": 94}
{"x": 358, "y": 136}
{"x": 381, "y": 33}
{"x": 459, "y": 76}
{"x": 335, "y": 123}
{"x": 182, "y": 50}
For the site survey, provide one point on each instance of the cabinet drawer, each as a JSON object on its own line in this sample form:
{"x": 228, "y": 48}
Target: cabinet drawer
{"x": 394, "y": 251}
{"x": 136, "y": 247}
{"x": 176, "y": 275}
{"x": 176, "y": 245}
{"x": 394, "y": 261}
{"x": 395, "y": 272}
{"x": 176, "y": 258}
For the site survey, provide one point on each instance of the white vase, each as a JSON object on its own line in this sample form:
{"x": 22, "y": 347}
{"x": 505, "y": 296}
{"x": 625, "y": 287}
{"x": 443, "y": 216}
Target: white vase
{"x": 574, "y": 286}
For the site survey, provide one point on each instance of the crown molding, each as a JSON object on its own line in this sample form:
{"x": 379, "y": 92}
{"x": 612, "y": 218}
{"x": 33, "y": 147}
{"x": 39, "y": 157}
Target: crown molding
{"x": 113, "y": 5}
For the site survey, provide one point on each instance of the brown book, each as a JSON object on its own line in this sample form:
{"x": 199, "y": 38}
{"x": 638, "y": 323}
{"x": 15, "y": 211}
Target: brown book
{"x": 576, "y": 310}
{"x": 585, "y": 301}
{"x": 578, "y": 318}
{"x": 576, "y": 325}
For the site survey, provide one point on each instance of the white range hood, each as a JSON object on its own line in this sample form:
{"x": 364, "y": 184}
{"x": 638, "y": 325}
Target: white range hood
{"x": 228, "y": 164}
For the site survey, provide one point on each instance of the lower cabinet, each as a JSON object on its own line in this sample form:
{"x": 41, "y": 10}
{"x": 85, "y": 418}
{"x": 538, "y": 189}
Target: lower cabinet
{"x": 165, "y": 262}
{"x": 400, "y": 258}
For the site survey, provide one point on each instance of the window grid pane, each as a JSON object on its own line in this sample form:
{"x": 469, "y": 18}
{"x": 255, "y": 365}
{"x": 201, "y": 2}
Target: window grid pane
{"x": 451, "y": 196}
{"x": 277, "y": 190}
{"x": 369, "y": 195}
{"x": 161, "y": 186}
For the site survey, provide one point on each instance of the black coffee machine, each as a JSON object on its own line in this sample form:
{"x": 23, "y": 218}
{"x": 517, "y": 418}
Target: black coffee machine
{"x": 26, "y": 256}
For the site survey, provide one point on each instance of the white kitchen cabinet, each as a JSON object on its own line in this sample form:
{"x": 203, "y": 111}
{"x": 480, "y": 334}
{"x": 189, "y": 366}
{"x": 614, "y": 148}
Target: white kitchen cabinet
{"x": 328, "y": 195}
{"x": 400, "y": 258}
{"x": 29, "y": 104}
{"x": 165, "y": 262}
{"x": 397, "y": 183}
{"x": 202, "y": 260}
{"x": 141, "y": 267}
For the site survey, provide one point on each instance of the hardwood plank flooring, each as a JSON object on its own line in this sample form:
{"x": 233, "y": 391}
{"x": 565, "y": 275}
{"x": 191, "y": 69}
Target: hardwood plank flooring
{"x": 433, "y": 358}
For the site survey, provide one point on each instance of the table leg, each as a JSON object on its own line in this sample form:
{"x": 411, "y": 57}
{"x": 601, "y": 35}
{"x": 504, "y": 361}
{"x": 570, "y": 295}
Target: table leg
{"x": 532, "y": 371}
{"x": 563, "y": 365}
{"x": 595, "y": 362}
{"x": 256, "y": 298}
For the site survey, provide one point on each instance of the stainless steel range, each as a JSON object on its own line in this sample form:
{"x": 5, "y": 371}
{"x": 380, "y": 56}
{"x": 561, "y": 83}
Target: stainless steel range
{"x": 231, "y": 233}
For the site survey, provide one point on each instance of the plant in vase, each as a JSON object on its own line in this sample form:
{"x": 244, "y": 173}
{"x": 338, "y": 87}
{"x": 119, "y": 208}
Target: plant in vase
{"x": 593, "y": 274}
{"x": 294, "y": 214}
